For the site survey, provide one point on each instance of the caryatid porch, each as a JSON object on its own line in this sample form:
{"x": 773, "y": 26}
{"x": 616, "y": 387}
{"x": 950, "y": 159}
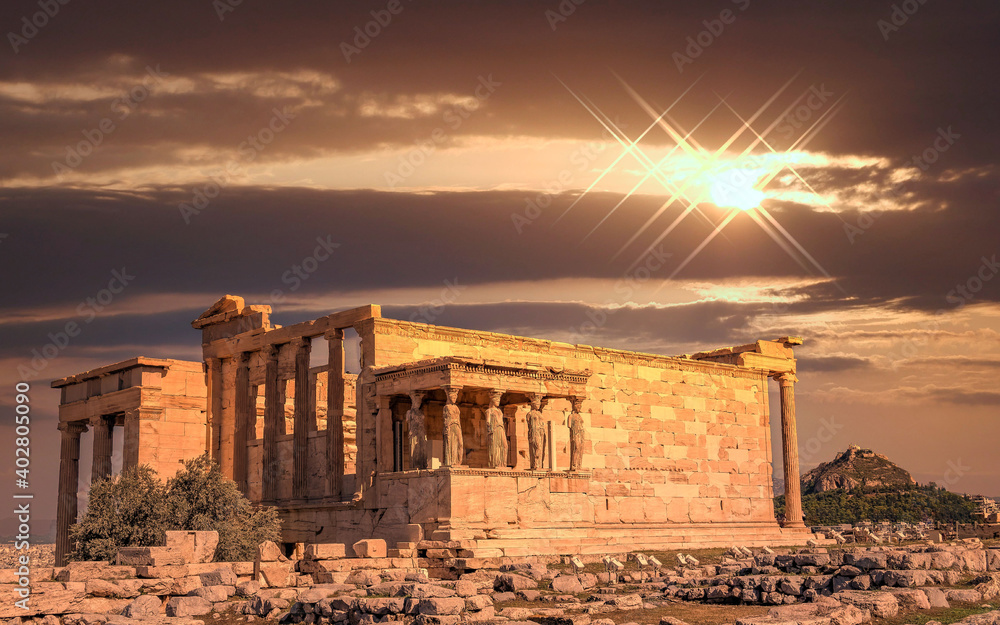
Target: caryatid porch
{"x": 453, "y": 412}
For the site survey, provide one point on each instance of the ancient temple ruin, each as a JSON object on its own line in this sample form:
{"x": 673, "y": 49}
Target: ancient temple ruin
{"x": 514, "y": 446}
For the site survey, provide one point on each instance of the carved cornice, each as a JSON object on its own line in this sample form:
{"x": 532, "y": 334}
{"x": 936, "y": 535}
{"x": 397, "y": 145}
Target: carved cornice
{"x": 465, "y": 366}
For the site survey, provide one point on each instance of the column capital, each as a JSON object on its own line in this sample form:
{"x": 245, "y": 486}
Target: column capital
{"x": 786, "y": 379}
{"x": 73, "y": 427}
{"x": 97, "y": 420}
{"x": 242, "y": 358}
{"x": 334, "y": 333}
{"x": 535, "y": 399}
{"x": 270, "y": 351}
{"x": 301, "y": 342}
{"x": 577, "y": 403}
{"x": 451, "y": 393}
{"x": 417, "y": 398}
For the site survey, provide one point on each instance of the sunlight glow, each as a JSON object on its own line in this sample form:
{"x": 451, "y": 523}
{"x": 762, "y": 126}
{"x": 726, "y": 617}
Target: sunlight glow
{"x": 734, "y": 188}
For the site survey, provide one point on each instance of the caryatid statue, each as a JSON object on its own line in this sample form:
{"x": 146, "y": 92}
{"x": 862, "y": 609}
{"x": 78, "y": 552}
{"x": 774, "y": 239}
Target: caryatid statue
{"x": 416, "y": 423}
{"x": 536, "y": 433}
{"x": 576, "y": 435}
{"x": 496, "y": 433}
{"x": 454, "y": 446}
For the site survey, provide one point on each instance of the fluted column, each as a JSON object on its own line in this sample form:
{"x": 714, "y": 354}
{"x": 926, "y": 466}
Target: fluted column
{"x": 130, "y": 440}
{"x": 790, "y": 452}
{"x": 335, "y": 414}
{"x": 274, "y": 419}
{"x": 103, "y": 443}
{"x": 213, "y": 383}
{"x": 69, "y": 480}
{"x": 245, "y": 411}
{"x": 300, "y": 437}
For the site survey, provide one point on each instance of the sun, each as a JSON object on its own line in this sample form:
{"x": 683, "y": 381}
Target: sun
{"x": 735, "y": 188}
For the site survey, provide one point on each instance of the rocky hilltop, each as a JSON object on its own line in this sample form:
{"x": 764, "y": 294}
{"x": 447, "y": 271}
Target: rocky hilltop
{"x": 853, "y": 468}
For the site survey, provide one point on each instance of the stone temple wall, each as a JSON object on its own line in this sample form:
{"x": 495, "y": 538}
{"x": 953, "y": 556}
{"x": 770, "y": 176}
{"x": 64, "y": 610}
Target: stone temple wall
{"x": 677, "y": 451}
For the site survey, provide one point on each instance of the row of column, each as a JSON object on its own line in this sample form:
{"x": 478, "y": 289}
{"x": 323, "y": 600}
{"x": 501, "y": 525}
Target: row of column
{"x": 103, "y": 427}
{"x": 539, "y": 431}
{"x": 304, "y": 418}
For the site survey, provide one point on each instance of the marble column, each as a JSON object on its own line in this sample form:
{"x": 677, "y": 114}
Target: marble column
{"x": 69, "y": 480}
{"x": 130, "y": 440}
{"x": 536, "y": 433}
{"x": 246, "y": 411}
{"x": 300, "y": 440}
{"x": 335, "y": 414}
{"x": 416, "y": 426}
{"x": 790, "y": 452}
{"x": 103, "y": 444}
{"x": 213, "y": 383}
{"x": 274, "y": 425}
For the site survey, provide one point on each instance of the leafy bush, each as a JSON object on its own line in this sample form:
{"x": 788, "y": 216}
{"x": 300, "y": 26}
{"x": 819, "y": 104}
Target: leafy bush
{"x": 130, "y": 509}
{"x": 135, "y": 508}
{"x": 204, "y": 499}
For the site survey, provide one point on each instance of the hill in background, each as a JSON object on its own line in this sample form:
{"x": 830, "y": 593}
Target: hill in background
{"x": 856, "y": 468}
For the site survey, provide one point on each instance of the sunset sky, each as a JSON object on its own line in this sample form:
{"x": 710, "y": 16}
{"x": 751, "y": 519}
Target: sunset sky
{"x": 550, "y": 169}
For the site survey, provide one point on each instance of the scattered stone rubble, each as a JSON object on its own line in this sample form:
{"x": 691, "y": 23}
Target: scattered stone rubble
{"x": 320, "y": 584}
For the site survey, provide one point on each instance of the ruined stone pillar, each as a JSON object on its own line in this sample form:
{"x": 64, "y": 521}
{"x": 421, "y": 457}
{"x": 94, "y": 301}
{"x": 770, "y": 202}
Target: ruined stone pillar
{"x": 335, "y": 414}
{"x": 213, "y": 417}
{"x": 274, "y": 419}
{"x": 300, "y": 454}
{"x": 454, "y": 445}
{"x": 790, "y": 452}
{"x": 103, "y": 443}
{"x": 245, "y": 411}
{"x": 69, "y": 479}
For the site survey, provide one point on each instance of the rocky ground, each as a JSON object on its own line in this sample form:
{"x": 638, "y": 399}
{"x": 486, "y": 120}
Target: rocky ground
{"x": 41, "y": 555}
{"x": 916, "y": 584}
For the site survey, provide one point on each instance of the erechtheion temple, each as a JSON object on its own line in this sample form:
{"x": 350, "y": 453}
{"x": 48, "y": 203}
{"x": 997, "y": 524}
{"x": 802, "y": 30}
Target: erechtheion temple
{"x": 516, "y": 446}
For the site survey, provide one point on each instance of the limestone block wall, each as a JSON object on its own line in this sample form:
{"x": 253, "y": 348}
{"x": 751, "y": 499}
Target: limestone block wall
{"x": 178, "y": 432}
{"x": 669, "y": 440}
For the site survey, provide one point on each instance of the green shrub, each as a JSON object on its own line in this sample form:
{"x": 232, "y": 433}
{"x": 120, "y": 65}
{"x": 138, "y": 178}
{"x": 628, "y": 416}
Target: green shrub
{"x": 135, "y": 508}
{"x": 127, "y": 510}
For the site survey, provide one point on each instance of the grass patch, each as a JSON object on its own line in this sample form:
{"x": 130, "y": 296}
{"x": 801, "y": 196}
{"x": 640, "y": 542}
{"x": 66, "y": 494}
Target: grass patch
{"x": 955, "y": 613}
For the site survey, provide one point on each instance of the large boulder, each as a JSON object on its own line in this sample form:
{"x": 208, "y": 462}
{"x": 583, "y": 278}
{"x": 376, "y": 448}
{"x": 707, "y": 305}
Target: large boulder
{"x": 510, "y": 582}
{"x": 911, "y": 599}
{"x": 144, "y": 607}
{"x": 881, "y": 604}
{"x": 188, "y": 606}
{"x": 567, "y": 584}
{"x": 441, "y": 606}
